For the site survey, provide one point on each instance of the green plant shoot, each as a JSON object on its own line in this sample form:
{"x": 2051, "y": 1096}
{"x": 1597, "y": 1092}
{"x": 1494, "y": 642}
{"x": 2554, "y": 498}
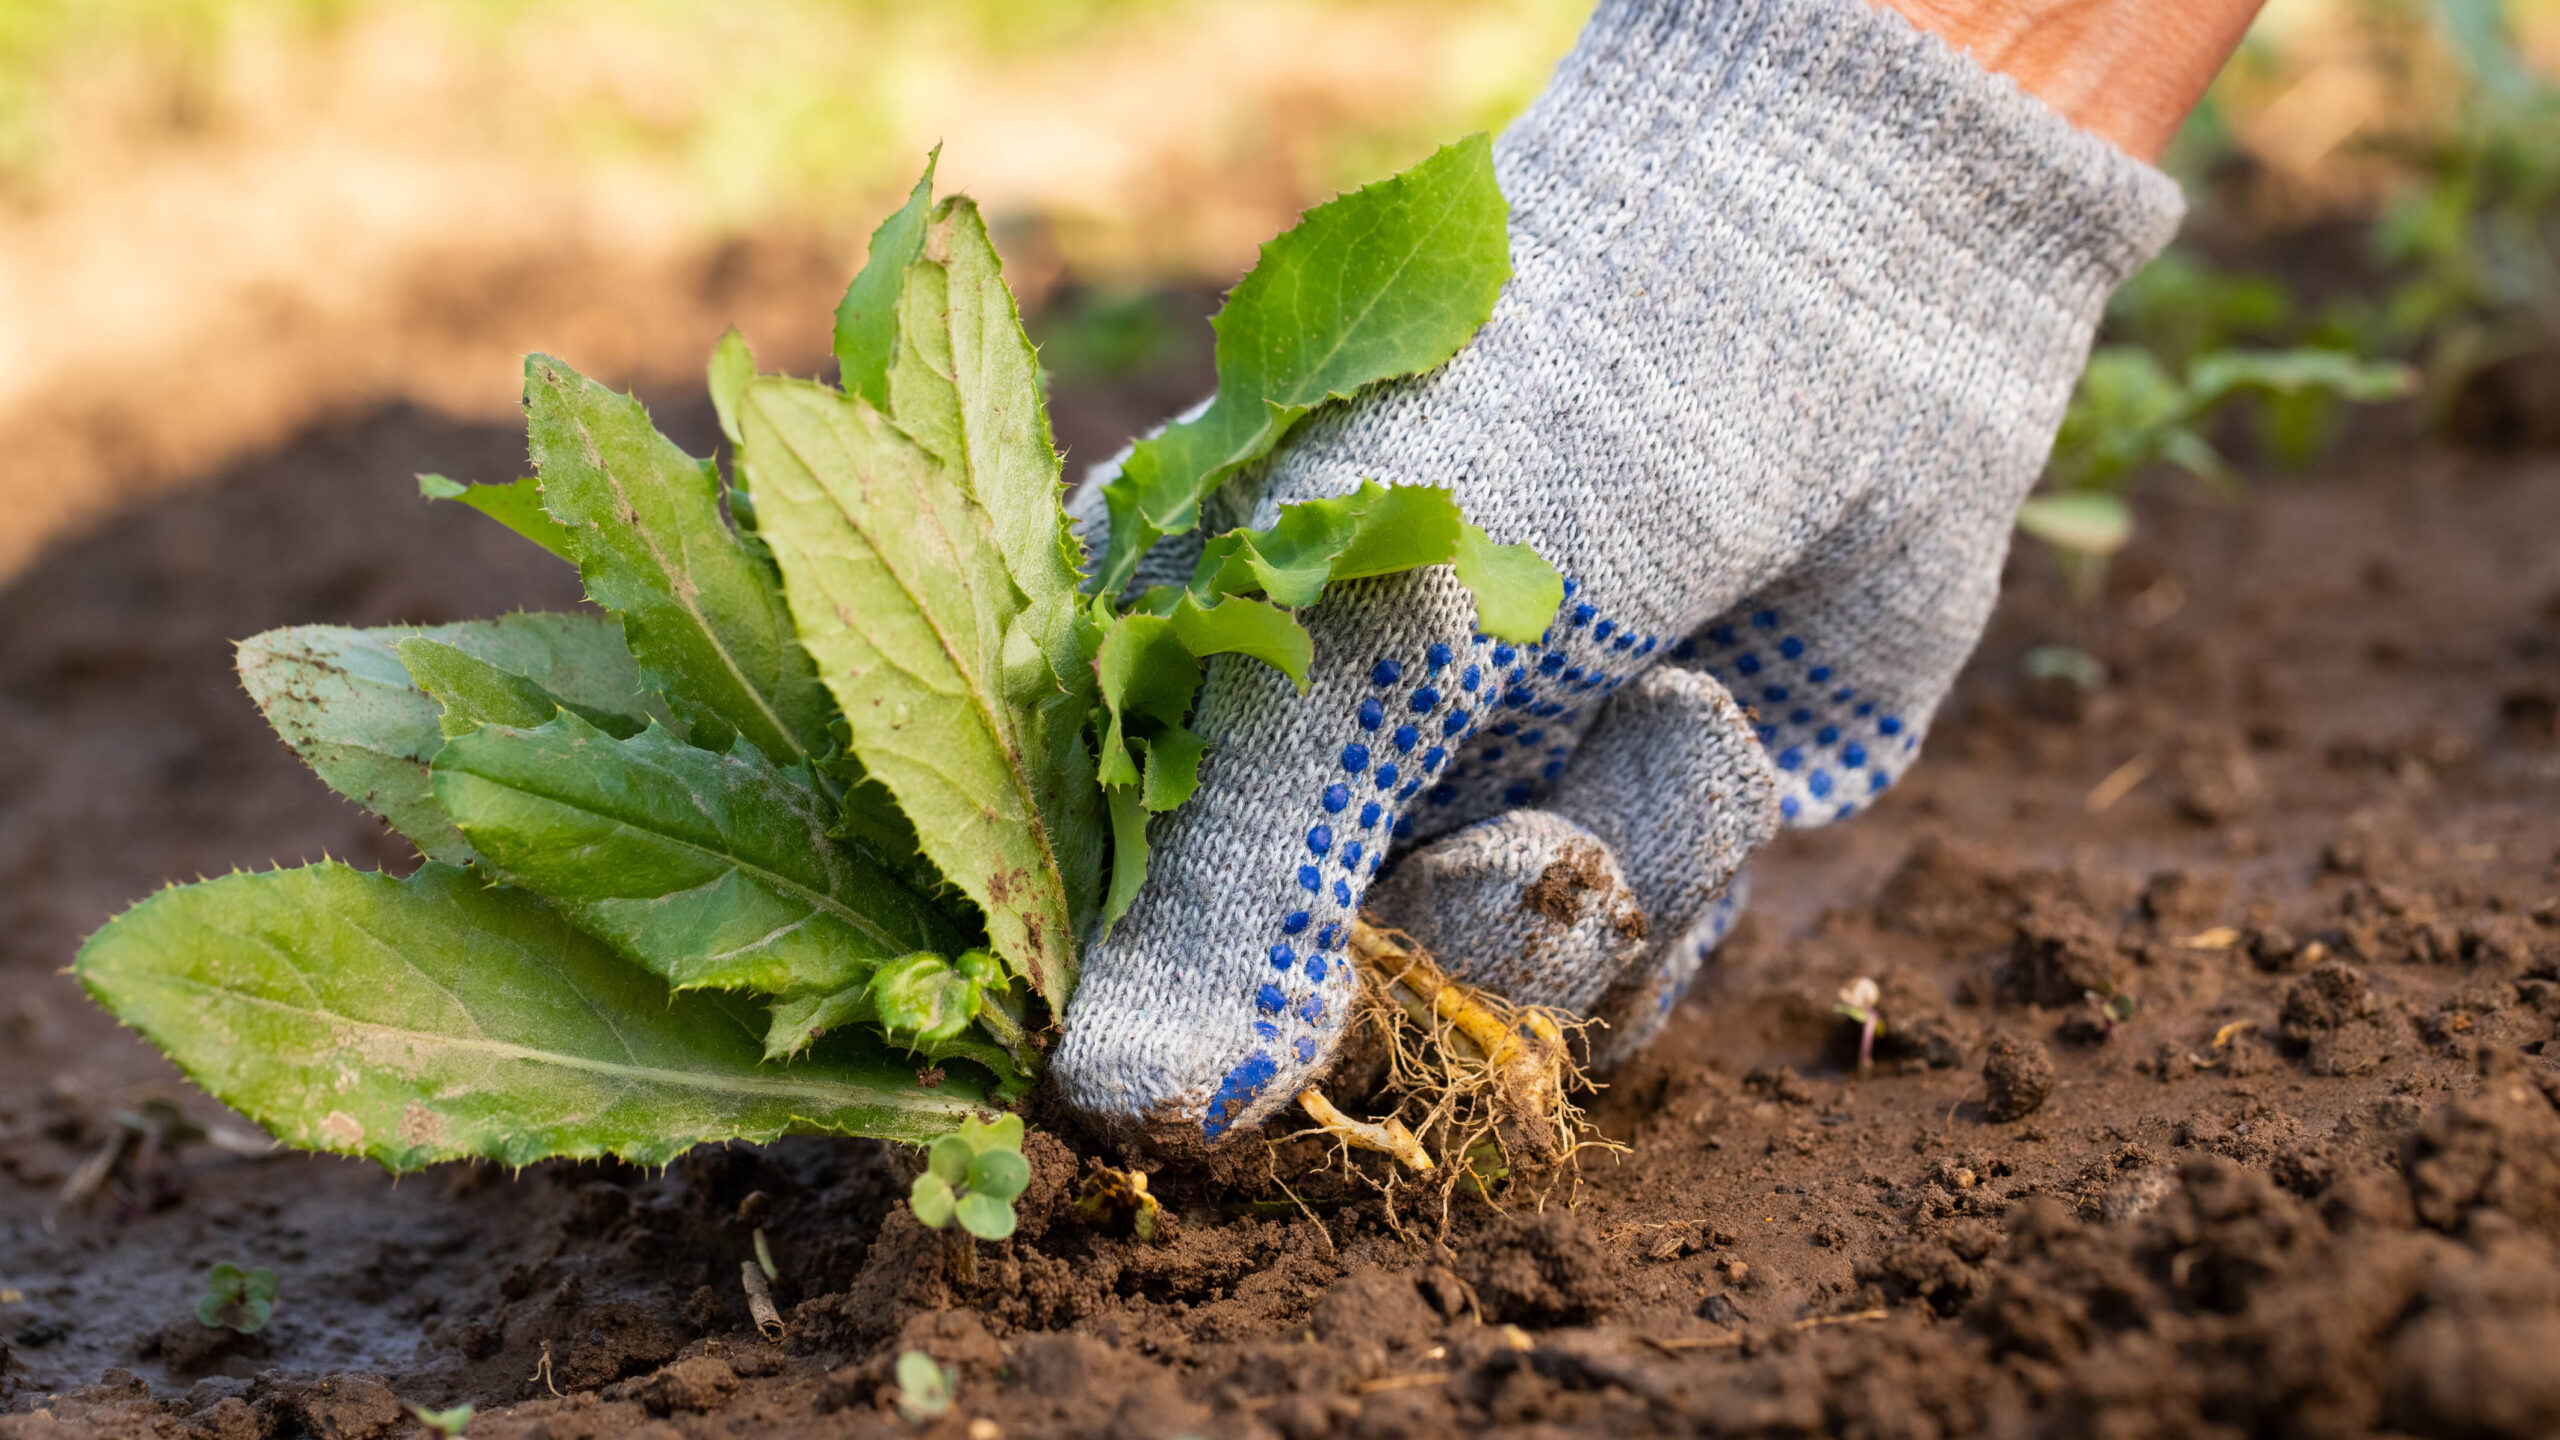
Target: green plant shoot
{"x": 973, "y": 1176}
{"x": 801, "y": 828}
{"x": 237, "y": 1299}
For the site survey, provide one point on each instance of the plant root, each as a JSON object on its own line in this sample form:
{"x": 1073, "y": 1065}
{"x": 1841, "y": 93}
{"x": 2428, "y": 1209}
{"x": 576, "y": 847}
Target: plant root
{"x": 1388, "y": 1137}
{"x": 1481, "y": 1089}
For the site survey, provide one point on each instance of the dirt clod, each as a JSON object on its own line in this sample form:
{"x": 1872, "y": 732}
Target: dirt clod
{"x": 1541, "y": 1269}
{"x": 349, "y": 1407}
{"x": 2016, "y": 1078}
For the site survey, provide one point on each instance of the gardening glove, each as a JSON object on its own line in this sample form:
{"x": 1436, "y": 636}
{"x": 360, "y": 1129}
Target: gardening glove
{"x": 1798, "y": 297}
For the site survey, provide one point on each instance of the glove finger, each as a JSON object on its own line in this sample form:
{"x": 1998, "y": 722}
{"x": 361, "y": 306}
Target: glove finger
{"x": 1528, "y": 905}
{"x": 1605, "y": 904}
{"x": 1636, "y": 1009}
{"x": 1674, "y": 781}
{"x": 1845, "y": 657}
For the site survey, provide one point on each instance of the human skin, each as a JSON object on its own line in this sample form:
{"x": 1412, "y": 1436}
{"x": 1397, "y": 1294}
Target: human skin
{"x": 2126, "y": 71}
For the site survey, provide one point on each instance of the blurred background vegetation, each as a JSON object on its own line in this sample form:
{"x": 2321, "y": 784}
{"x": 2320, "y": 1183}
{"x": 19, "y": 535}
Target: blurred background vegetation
{"x": 223, "y": 220}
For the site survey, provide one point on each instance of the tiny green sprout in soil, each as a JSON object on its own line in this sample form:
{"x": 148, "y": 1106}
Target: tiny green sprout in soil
{"x": 924, "y": 1387}
{"x": 973, "y": 1176}
{"x": 1858, "y": 1001}
{"x": 447, "y": 1423}
{"x": 800, "y": 827}
{"x": 237, "y": 1299}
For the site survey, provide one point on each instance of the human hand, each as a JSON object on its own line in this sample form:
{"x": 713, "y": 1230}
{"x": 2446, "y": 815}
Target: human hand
{"x": 1798, "y": 295}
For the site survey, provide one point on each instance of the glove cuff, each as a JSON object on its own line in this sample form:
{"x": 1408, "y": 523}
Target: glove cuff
{"x": 1846, "y": 126}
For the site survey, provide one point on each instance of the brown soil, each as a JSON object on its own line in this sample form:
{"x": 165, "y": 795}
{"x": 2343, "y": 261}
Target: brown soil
{"x": 2309, "y": 1185}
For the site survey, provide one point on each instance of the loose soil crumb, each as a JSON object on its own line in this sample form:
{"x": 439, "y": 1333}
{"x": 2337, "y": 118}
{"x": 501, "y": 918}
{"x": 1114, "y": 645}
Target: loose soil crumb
{"x": 2305, "y": 1180}
{"x": 2016, "y": 1078}
{"x": 1568, "y": 883}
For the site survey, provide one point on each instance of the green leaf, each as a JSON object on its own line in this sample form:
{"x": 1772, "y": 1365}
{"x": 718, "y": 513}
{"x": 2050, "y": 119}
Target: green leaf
{"x": 931, "y": 1198}
{"x": 1516, "y": 590}
{"x": 447, "y": 1423}
{"x": 1389, "y": 280}
{"x": 798, "y": 1021}
{"x": 1246, "y": 627}
{"x": 924, "y": 1000}
{"x": 700, "y": 608}
{"x": 516, "y": 505}
{"x": 346, "y": 704}
{"x": 1173, "y": 769}
{"x": 924, "y": 1388}
{"x": 1146, "y": 673}
{"x": 1375, "y": 530}
{"x": 2082, "y": 521}
{"x": 2286, "y": 372}
{"x": 474, "y": 693}
{"x": 1382, "y": 530}
{"x": 1128, "y": 852}
{"x": 903, "y": 598}
{"x": 999, "y": 1174}
{"x": 984, "y": 1216}
{"x": 436, "y": 1018}
{"x": 965, "y": 386}
{"x": 235, "y": 1299}
{"x": 867, "y": 317}
{"x": 713, "y": 871}
{"x": 1002, "y": 1133}
{"x": 947, "y": 1159}
{"x": 732, "y": 366}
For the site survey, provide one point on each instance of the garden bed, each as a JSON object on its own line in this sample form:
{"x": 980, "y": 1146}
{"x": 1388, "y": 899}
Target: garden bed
{"x": 2310, "y": 1186}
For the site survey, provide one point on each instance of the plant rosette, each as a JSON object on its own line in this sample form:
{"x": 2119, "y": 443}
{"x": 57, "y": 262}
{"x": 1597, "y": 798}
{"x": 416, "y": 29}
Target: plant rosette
{"x": 800, "y": 827}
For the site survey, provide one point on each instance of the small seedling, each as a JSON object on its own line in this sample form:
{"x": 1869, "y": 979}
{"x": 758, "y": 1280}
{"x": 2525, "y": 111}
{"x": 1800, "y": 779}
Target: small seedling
{"x": 973, "y": 1176}
{"x": 2112, "y": 1010}
{"x": 924, "y": 1388}
{"x": 447, "y": 1423}
{"x": 1858, "y": 1002}
{"x": 237, "y": 1299}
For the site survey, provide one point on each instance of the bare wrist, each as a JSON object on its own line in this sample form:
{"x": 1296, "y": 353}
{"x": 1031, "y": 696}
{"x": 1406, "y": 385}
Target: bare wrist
{"x": 2127, "y": 71}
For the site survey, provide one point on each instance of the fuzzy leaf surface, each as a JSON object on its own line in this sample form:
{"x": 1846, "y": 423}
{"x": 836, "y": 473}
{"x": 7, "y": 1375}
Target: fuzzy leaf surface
{"x": 474, "y": 692}
{"x": 436, "y": 1018}
{"x": 713, "y": 871}
{"x": 1388, "y": 280}
{"x": 903, "y": 599}
{"x": 699, "y": 606}
{"x": 344, "y": 702}
{"x": 965, "y": 386}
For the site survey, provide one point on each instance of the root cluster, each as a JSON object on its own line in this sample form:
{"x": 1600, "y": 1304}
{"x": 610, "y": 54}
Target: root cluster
{"x": 1480, "y": 1092}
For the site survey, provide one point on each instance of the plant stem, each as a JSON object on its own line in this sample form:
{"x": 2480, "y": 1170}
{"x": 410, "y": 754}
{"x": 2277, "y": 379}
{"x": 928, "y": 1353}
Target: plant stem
{"x": 1008, "y": 1033}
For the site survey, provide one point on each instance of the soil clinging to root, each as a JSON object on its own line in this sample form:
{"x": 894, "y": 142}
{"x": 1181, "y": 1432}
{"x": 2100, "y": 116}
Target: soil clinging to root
{"x": 2213, "y": 1096}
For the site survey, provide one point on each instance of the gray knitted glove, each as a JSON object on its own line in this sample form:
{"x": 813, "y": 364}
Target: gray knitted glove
{"x": 1798, "y": 298}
